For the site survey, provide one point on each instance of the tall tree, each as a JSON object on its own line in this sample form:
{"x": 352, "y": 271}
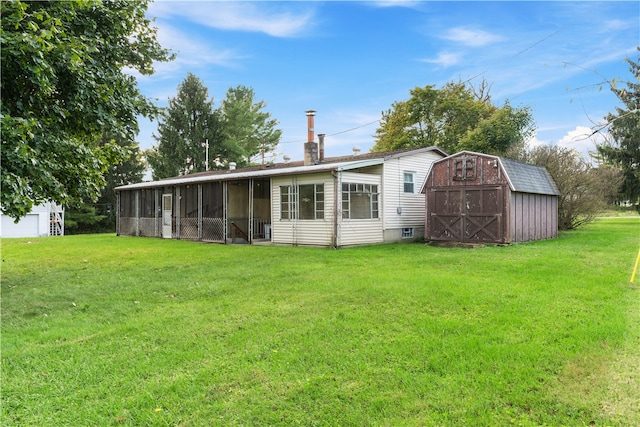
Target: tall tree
{"x": 455, "y": 117}
{"x": 101, "y": 216}
{"x": 63, "y": 83}
{"x": 246, "y": 126}
{"x": 184, "y": 129}
{"x": 623, "y": 148}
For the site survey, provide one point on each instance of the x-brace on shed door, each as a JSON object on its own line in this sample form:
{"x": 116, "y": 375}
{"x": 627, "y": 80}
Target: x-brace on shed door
{"x": 467, "y": 214}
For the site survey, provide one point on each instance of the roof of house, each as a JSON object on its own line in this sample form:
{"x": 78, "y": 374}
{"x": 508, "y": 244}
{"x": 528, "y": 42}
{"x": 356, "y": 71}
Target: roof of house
{"x": 328, "y": 164}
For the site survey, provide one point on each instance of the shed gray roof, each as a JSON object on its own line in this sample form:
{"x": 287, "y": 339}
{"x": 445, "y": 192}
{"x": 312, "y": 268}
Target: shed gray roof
{"x": 525, "y": 178}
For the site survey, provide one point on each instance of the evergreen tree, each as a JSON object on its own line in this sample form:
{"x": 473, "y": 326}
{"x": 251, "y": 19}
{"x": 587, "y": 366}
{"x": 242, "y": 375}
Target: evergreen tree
{"x": 184, "y": 129}
{"x": 236, "y": 131}
{"x": 623, "y": 150}
{"x": 245, "y": 126}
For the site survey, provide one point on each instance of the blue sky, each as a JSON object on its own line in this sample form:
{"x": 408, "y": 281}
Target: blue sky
{"x": 350, "y": 61}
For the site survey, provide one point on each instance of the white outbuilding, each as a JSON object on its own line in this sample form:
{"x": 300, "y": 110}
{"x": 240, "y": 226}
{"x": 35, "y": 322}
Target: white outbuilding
{"x": 43, "y": 220}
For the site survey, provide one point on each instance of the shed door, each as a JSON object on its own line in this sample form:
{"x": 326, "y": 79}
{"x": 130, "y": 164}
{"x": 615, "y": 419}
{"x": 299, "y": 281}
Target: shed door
{"x": 467, "y": 214}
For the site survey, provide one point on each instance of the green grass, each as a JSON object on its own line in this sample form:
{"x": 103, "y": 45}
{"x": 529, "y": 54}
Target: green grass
{"x": 105, "y": 330}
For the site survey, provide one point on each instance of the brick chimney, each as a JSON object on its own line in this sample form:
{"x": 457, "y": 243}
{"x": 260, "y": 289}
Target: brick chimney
{"x": 310, "y": 147}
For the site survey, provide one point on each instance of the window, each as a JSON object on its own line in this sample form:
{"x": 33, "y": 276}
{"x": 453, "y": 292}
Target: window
{"x": 359, "y": 201}
{"x": 409, "y": 182}
{"x": 302, "y": 202}
{"x": 311, "y": 201}
{"x": 464, "y": 169}
{"x": 287, "y": 202}
{"x": 407, "y": 233}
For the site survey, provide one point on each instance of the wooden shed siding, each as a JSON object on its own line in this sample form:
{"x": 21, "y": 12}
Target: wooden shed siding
{"x": 528, "y": 216}
{"x": 533, "y": 217}
{"x": 303, "y": 232}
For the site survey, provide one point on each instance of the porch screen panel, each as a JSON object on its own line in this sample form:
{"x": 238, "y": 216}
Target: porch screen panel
{"x": 212, "y": 211}
{"x": 147, "y": 221}
{"x": 127, "y": 213}
{"x": 189, "y": 212}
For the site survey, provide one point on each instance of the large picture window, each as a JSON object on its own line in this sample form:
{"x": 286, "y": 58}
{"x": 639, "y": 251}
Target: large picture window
{"x": 360, "y": 201}
{"x": 311, "y": 201}
{"x": 302, "y": 201}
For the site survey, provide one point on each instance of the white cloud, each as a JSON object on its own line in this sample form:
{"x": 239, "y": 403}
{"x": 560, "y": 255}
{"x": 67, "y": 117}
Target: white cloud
{"x": 240, "y": 16}
{"x": 444, "y": 59}
{"x": 582, "y": 140}
{"x": 192, "y": 51}
{"x": 470, "y": 37}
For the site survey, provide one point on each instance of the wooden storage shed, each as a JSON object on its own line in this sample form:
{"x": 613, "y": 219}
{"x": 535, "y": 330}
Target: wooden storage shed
{"x": 479, "y": 198}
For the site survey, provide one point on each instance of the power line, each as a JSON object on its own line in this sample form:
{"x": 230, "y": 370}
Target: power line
{"x": 357, "y": 127}
{"x": 334, "y": 134}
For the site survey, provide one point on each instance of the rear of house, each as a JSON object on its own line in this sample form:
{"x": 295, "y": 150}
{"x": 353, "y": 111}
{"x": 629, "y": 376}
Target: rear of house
{"x": 340, "y": 201}
{"x": 479, "y": 198}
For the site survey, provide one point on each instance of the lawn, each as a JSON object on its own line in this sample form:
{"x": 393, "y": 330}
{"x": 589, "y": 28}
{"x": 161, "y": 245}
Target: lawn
{"x": 102, "y": 330}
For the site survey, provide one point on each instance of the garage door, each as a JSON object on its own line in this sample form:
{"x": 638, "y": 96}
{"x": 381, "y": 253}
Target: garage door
{"x": 466, "y": 214}
{"x": 26, "y": 227}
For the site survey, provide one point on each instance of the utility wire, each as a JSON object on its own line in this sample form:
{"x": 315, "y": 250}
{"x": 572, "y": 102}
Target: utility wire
{"x": 337, "y": 133}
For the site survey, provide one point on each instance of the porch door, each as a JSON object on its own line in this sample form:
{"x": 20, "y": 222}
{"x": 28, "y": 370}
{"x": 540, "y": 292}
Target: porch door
{"x": 167, "y": 215}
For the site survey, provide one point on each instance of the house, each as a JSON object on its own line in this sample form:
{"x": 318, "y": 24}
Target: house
{"x": 340, "y": 201}
{"x": 478, "y": 198}
{"x": 43, "y": 220}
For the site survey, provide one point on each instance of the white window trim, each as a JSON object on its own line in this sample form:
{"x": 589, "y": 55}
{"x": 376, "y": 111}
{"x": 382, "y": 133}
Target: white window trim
{"x": 413, "y": 181}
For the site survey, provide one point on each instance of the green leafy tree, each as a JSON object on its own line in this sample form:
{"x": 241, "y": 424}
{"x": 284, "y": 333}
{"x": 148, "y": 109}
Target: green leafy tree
{"x": 188, "y": 123}
{"x": 63, "y": 83}
{"x": 455, "y": 117}
{"x": 622, "y": 149}
{"x": 246, "y": 126}
{"x": 100, "y": 217}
